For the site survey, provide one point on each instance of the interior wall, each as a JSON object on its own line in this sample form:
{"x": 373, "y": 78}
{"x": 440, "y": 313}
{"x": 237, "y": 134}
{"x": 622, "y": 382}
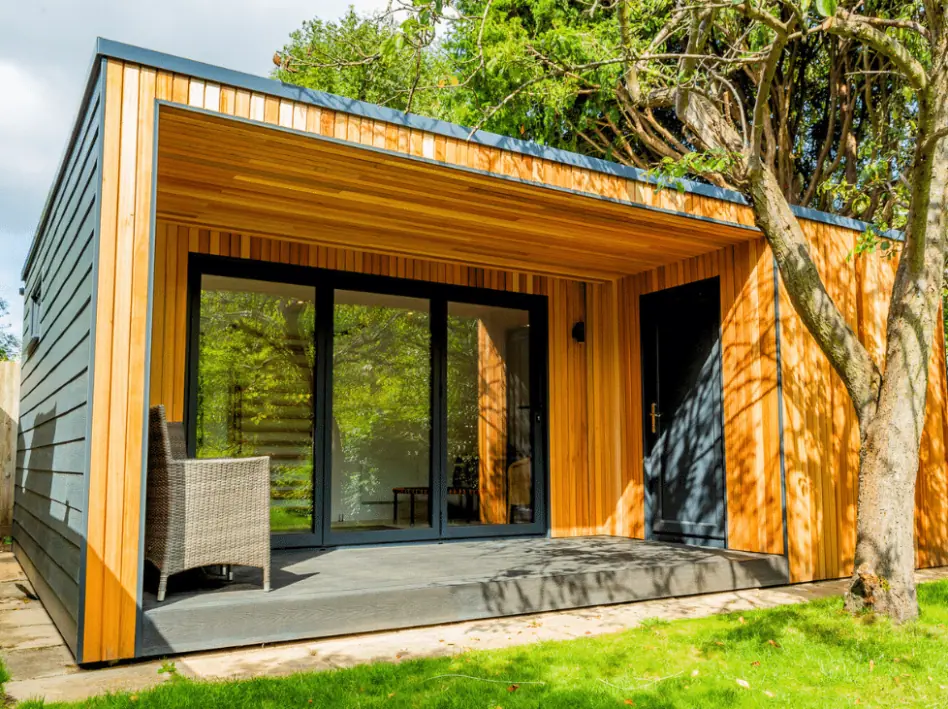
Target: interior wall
{"x": 491, "y": 426}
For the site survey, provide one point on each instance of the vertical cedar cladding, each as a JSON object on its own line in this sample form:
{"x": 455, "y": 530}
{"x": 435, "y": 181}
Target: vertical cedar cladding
{"x": 118, "y": 405}
{"x": 594, "y": 396}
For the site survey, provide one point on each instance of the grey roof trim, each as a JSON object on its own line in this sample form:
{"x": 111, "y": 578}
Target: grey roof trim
{"x": 208, "y": 72}
{"x": 461, "y": 168}
{"x": 272, "y": 87}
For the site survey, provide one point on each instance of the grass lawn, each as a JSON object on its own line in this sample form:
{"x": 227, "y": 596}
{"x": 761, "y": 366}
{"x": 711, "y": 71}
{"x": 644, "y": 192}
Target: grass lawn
{"x": 800, "y": 656}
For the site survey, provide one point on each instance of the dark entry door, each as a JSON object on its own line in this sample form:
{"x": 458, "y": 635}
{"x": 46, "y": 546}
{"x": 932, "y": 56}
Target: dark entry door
{"x": 683, "y": 413}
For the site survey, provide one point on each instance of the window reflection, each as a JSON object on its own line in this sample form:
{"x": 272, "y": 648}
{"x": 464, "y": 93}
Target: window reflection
{"x": 381, "y": 412}
{"x": 488, "y": 389}
{"x": 255, "y": 386}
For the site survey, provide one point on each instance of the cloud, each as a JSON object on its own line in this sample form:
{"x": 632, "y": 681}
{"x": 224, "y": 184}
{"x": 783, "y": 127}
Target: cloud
{"x": 45, "y": 50}
{"x": 32, "y": 136}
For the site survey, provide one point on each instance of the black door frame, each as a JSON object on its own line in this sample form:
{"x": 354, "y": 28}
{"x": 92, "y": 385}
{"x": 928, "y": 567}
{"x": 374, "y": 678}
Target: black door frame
{"x": 325, "y": 282}
{"x": 649, "y": 501}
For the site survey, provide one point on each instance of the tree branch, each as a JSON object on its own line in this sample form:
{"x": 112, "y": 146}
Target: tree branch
{"x": 852, "y": 26}
{"x": 847, "y": 355}
{"x": 762, "y": 105}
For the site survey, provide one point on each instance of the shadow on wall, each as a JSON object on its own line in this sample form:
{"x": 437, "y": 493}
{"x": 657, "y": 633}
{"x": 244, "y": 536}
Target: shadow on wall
{"x": 45, "y": 542}
{"x": 34, "y": 472}
{"x": 49, "y": 486}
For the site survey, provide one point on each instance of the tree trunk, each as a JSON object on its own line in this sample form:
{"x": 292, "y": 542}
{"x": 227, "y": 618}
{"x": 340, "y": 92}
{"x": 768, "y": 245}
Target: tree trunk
{"x": 884, "y": 575}
{"x": 889, "y": 404}
{"x": 823, "y": 319}
{"x": 891, "y": 407}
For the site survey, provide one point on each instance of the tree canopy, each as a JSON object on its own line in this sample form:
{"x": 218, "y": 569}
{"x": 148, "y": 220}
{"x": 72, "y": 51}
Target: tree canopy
{"x": 365, "y": 58}
{"x": 837, "y": 131}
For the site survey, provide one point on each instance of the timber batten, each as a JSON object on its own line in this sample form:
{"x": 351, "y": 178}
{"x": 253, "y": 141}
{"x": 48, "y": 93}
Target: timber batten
{"x": 193, "y": 160}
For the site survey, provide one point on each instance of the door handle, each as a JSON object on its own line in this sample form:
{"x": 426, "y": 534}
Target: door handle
{"x": 654, "y": 415}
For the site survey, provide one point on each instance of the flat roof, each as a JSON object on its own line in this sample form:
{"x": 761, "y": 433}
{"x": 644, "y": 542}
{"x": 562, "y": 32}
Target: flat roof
{"x": 109, "y": 49}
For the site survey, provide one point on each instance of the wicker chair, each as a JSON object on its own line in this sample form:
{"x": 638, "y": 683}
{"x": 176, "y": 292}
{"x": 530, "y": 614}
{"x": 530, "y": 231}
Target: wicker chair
{"x": 203, "y": 512}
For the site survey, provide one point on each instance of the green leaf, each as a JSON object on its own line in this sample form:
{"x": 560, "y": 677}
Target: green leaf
{"x": 827, "y": 8}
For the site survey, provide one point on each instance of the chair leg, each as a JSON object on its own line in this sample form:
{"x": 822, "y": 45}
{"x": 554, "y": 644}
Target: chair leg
{"x": 162, "y": 586}
{"x": 266, "y": 579}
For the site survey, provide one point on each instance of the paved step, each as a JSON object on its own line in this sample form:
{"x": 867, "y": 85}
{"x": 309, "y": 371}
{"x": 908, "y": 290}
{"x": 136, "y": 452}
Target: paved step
{"x": 30, "y": 645}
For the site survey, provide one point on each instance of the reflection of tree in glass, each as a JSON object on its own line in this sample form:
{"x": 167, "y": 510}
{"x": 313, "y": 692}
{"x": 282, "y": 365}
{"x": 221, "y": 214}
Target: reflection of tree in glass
{"x": 381, "y": 398}
{"x": 463, "y": 410}
{"x": 255, "y": 384}
{"x": 255, "y": 396}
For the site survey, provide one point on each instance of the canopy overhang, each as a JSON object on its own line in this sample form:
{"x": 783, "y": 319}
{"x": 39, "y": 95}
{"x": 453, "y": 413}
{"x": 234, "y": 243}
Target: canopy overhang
{"x": 231, "y": 174}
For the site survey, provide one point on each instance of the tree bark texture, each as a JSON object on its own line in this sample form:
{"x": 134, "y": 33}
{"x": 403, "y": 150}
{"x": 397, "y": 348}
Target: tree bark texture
{"x": 884, "y": 577}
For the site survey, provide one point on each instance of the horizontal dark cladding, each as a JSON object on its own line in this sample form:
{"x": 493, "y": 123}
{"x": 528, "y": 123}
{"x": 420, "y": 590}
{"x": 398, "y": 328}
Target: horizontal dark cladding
{"x": 65, "y": 159}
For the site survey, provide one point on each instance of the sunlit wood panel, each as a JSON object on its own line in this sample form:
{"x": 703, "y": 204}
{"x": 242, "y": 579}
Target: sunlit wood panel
{"x": 245, "y": 191}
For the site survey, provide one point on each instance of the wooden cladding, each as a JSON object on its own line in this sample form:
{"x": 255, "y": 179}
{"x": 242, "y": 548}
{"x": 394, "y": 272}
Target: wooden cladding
{"x": 821, "y": 435}
{"x": 121, "y": 343}
{"x": 239, "y": 204}
{"x": 235, "y": 176}
{"x": 748, "y": 345}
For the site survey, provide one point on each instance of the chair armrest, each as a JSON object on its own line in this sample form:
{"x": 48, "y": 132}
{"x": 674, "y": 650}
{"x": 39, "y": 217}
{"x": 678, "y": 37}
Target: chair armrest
{"x": 194, "y": 462}
{"x": 221, "y": 469}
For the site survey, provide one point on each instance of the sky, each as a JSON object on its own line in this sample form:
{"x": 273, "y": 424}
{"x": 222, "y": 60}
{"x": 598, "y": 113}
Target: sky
{"x": 46, "y": 49}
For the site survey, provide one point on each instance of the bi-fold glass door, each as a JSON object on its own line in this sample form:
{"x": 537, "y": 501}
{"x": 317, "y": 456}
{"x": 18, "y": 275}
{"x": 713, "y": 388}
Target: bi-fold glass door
{"x": 390, "y": 410}
{"x": 380, "y": 418}
{"x": 255, "y": 360}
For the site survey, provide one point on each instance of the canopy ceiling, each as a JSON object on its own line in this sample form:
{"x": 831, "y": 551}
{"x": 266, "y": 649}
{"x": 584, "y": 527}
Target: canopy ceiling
{"x": 226, "y": 174}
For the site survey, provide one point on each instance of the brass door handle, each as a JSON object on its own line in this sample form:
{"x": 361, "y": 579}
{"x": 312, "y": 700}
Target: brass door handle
{"x": 654, "y": 415}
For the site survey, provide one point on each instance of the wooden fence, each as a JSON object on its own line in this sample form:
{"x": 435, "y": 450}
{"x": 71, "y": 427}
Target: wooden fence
{"x": 9, "y": 411}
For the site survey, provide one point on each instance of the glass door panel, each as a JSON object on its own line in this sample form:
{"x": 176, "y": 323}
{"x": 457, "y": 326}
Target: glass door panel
{"x": 489, "y": 450}
{"x": 256, "y": 360}
{"x": 381, "y": 413}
